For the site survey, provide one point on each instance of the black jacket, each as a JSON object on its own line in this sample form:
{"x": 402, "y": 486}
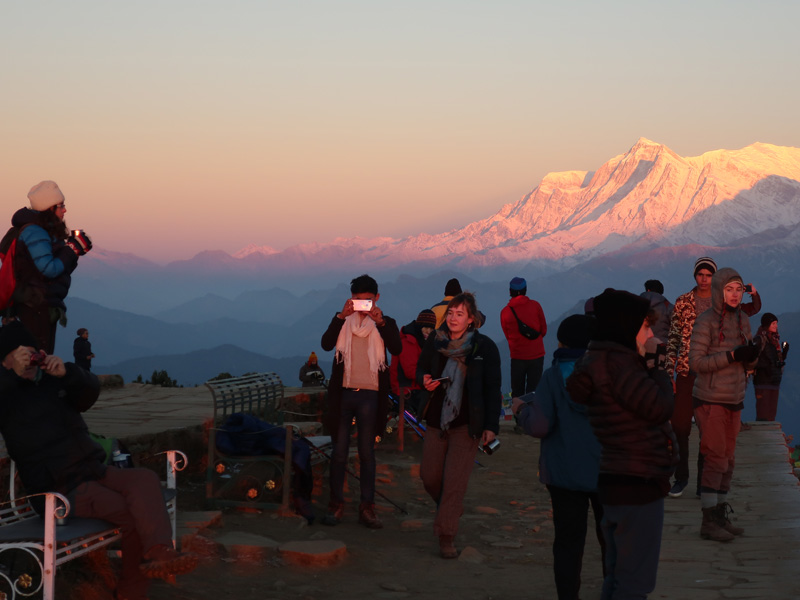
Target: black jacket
{"x": 391, "y": 340}
{"x": 482, "y": 383}
{"x": 44, "y": 431}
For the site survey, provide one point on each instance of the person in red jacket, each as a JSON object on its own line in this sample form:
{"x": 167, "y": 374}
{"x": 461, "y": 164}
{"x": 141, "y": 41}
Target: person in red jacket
{"x": 402, "y": 371}
{"x": 527, "y": 353}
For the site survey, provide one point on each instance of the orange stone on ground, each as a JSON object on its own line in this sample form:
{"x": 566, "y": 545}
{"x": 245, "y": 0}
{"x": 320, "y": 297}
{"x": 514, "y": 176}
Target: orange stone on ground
{"x": 314, "y": 553}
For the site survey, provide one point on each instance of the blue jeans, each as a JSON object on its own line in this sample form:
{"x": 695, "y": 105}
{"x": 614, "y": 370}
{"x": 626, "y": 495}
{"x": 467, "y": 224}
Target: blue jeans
{"x": 363, "y": 405}
{"x": 633, "y": 545}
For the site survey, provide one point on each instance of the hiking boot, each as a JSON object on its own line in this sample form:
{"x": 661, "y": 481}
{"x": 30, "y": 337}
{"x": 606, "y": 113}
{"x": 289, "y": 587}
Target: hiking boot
{"x": 446, "y": 546}
{"x": 368, "y": 518}
{"x": 334, "y": 516}
{"x": 723, "y": 510}
{"x": 677, "y": 489}
{"x": 711, "y": 529}
{"x": 165, "y": 562}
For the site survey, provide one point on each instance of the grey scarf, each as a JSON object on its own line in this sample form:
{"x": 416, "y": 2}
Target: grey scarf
{"x": 456, "y": 369}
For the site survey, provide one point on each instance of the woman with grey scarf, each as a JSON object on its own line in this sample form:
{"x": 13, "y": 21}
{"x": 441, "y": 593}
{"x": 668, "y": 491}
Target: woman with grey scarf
{"x": 459, "y": 369}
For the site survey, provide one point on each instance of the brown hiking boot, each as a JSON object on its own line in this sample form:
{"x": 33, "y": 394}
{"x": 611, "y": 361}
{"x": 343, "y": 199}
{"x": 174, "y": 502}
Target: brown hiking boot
{"x": 446, "y": 546}
{"x": 723, "y": 510}
{"x": 165, "y": 562}
{"x": 368, "y": 518}
{"x": 711, "y": 529}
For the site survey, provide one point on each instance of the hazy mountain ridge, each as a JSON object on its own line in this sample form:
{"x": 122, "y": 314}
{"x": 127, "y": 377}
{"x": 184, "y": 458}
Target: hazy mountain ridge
{"x": 645, "y": 198}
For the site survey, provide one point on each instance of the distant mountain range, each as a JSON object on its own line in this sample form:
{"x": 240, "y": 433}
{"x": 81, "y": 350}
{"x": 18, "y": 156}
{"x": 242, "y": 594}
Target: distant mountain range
{"x": 646, "y": 206}
{"x": 647, "y": 213}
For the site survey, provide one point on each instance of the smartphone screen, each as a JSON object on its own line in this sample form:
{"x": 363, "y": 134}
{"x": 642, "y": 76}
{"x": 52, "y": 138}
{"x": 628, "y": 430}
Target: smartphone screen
{"x": 362, "y": 305}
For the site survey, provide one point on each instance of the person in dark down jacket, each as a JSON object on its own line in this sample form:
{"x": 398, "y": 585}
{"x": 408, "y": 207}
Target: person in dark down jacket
{"x": 460, "y": 371}
{"x": 622, "y": 380}
{"x": 654, "y": 292}
{"x": 46, "y": 255}
{"x": 569, "y": 459}
{"x": 41, "y": 423}
{"x": 769, "y": 369}
{"x": 358, "y": 388}
{"x": 720, "y": 354}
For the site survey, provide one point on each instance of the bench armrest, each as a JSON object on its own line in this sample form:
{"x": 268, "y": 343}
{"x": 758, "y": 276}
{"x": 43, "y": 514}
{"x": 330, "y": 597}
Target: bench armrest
{"x": 176, "y": 461}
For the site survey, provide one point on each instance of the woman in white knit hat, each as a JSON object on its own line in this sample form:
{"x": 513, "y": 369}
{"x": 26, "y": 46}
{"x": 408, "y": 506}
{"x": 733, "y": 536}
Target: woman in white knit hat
{"x": 44, "y": 254}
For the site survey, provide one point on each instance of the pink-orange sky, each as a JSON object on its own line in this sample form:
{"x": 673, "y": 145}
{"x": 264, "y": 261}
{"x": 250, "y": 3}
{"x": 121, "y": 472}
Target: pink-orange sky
{"x": 174, "y": 127}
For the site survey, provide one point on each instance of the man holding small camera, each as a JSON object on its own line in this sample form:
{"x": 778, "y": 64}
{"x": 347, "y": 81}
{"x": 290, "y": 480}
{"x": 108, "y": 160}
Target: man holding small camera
{"x": 45, "y": 253}
{"x": 358, "y": 388}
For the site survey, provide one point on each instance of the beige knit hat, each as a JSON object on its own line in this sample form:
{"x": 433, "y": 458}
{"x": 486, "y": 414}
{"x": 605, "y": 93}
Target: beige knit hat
{"x": 44, "y": 195}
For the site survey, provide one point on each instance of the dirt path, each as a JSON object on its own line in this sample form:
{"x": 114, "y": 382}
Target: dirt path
{"x": 505, "y": 539}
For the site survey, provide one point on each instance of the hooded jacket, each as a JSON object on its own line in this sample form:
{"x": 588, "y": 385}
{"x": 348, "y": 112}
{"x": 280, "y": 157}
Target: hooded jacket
{"x": 570, "y": 454}
{"x": 716, "y": 333}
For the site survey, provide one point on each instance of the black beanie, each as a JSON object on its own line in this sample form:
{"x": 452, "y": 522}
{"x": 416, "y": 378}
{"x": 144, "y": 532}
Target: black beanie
{"x": 620, "y": 315}
{"x": 767, "y": 318}
{"x": 576, "y": 330}
{"x": 453, "y": 288}
{"x": 14, "y": 335}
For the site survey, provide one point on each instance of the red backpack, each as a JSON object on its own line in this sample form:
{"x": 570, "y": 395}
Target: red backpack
{"x": 8, "y": 280}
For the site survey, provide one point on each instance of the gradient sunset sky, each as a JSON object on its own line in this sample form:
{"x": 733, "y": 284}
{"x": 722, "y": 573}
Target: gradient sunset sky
{"x": 178, "y": 126}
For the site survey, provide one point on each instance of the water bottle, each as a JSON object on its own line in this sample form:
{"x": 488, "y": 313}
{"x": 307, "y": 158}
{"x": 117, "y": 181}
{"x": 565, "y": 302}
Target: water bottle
{"x": 121, "y": 461}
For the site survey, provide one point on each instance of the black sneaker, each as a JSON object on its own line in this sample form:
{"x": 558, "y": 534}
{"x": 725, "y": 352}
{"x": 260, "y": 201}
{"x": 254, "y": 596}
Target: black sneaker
{"x": 677, "y": 489}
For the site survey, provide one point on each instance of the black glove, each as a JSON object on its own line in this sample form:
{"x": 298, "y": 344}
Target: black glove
{"x": 784, "y": 350}
{"x": 79, "y": 242}
{"x": 745, "y": 354}
{"x": 655, "y": 354}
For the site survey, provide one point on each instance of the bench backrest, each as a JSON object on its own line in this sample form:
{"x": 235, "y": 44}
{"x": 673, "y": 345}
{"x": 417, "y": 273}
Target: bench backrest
{"x": 259, "y": 394}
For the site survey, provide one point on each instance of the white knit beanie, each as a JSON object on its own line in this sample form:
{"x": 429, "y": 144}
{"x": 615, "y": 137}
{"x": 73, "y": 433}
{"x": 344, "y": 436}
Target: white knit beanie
{"x": 44, "y": 195}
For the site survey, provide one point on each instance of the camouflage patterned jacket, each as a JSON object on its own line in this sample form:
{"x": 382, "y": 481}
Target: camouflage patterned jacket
{"x": 680, "y": 333}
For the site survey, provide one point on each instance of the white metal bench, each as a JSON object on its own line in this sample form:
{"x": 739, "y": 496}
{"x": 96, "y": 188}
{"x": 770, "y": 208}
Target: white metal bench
{"x": 50, "y": 544}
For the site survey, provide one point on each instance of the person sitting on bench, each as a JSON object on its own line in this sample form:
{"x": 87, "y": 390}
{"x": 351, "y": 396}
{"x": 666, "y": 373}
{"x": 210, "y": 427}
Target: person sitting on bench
{"x": 41, "y": 401}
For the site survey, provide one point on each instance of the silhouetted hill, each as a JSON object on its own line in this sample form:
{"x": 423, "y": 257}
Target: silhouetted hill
{"x": 194, "y": 368}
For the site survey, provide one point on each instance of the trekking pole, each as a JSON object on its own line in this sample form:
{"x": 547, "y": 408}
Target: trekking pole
{"x": 321, "y": 452}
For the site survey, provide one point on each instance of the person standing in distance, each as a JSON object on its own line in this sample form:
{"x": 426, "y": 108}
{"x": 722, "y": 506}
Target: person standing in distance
{"x": 358, "y": 388}
{"x": 82, "y": 349}
{"x": 527, "y": 353}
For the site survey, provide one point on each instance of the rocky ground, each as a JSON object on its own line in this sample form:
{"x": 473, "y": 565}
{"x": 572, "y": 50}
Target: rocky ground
{"x": 505, "y": 540}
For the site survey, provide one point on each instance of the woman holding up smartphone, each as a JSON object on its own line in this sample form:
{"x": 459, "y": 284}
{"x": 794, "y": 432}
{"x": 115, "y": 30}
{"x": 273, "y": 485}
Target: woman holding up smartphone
{"x": 459, "y": 369}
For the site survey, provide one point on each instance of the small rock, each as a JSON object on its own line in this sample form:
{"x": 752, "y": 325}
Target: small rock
{"x": 411, "y": 525}
{"x": 507, "y": 544}
{"x": 486, "y": 510}
{"x": 471, "y": 555}
{"x": 394, "y": 587}
{"x": 314, "y": 552}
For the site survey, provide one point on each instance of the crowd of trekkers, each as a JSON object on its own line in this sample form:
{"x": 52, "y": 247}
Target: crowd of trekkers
{"x": 614, "y": 410}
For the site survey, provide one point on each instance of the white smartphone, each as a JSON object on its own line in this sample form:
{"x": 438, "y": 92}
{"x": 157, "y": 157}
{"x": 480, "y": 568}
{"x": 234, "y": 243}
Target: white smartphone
{"x": 362, "y": 305}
